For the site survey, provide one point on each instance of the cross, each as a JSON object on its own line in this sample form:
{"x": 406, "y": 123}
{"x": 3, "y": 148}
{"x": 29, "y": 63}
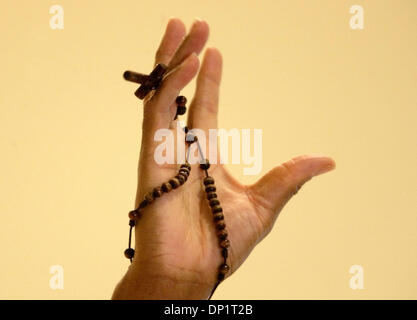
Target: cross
{"x": 147, "y": 82}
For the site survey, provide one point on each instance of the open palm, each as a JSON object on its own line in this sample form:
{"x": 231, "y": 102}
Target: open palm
{"x": 177, "y": 252}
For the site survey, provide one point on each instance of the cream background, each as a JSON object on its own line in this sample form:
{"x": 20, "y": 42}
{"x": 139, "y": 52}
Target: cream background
{"x": 70, "y": 132}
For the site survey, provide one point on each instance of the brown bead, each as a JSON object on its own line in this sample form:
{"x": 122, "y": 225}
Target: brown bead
{"x": 210, "y": 188}
{"x": 143, "y": 204}
{"x": 184, "y": 171}
{"x": 132, "y": 222}
{"x": 205, "y": 165}
{"x": 157, "y": 192}
{"x": 222, "y": 234}
{"x": 181, "y": 101}
{"x": 186, "y": 165}
{"x": 224, "y": 268}
{"x": 211, "y": 195}
{"x": 174, "y": 183}
{"x": 225, "y": 244}
{"x": 218, "y": 216}
{"x": 180, "y": 178}
{"x": 185, "y": 176}
{"x": 214, "y": 202}
{"x": 220, "y": 225}
{"x": 208, "y": 180}
{"x": 216, "y": 209}
{"x": 133, "y": 214}
{"x": 129, "y": 253}
{"x": 166, "y": 187}
{"x": 149, "y": 197}
{"x": 181, "y": 110}
{"x": 225, "y": 253}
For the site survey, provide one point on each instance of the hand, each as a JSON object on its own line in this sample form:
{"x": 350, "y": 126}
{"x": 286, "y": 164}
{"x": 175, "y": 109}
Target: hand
{"x": 177, "y": 252}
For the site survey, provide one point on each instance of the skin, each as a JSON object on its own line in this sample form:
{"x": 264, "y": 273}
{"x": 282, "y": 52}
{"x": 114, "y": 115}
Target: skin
{"x": 177, "y": 253}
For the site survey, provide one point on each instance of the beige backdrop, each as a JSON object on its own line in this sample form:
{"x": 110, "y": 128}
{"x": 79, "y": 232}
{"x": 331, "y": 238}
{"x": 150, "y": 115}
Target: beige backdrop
{"x": 70, "y": 132}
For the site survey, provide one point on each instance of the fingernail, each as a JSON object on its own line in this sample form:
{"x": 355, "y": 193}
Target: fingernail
{"x": 196, "y": 22}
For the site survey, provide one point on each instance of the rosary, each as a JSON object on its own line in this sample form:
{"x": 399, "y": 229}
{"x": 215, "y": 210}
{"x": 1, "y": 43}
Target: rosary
{"x": 152, "y": 82}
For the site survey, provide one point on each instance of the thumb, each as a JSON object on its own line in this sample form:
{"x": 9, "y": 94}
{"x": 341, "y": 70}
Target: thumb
{"x": 276, "y": 187}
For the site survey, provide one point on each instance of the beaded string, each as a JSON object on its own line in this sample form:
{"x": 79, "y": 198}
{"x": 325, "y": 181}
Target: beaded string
{"x": 151, "y": 82}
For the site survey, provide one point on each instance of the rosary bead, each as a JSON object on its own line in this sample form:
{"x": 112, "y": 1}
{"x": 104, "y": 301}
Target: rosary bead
{"x": 216, "y": 209}
{"x": 225, "y": 244}
{"x": 222, "y": 234}
{"x": 211, "y": 195}
{"x": 166, "y": 187}
{"x": 186, "y": 129}
{"x": 181, "y": 110}
{"x": 149, "y": 197}
{"x": 210, "y": 188}
{"x": 174, "y": 183}
{"x": 129, "y": 253}
{"x": 208, "y": 180}
{"x": 225, "y": 253}
{"x": 183, "y": 175}
{"x": 220, "y": 277}
{"x": 133, "y": 214}
{"x": 132, "y": 222}
{"x": 180, "y": 178}
{"x": 205, "y": 165}
{"x": 143, "y": 204}
{"x": 220, "y": 225}
{"x": 181, "y": 101}
{"x": 224, "y": 268}
{"x": 186, "y": 165}
{"x": 184, "y": 171}
{"x": 157, "y": 192}
{"x": 218, "y": 216}
{"x": 214, "y": 202}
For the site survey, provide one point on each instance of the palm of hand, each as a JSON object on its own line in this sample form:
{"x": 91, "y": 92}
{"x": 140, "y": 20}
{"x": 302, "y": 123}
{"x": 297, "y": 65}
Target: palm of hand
{"x": 178, "y": 232}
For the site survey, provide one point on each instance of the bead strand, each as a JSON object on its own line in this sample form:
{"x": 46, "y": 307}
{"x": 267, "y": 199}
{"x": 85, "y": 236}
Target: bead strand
{"x": 151, "y": 82}
{"x": 218, "y": 218}
{"x": 181, "y": 108}
{"x": 217, "y": 211}
{"x": 151, "y": 196}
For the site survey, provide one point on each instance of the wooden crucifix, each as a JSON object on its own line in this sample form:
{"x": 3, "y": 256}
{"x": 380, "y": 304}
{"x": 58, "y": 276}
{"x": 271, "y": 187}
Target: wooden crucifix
{"x": 147, "y": 82}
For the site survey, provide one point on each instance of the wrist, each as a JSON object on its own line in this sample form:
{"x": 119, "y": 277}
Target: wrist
{"x": 143, "y": 284}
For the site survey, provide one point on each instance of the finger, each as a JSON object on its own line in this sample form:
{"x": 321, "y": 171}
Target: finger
{"x": 193, "y": 42}
{"x": 174, "y": 35}
{"x": 204, "y": 107}
{"x": 275, "y": 188}
{"x": 159, "y": 111}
